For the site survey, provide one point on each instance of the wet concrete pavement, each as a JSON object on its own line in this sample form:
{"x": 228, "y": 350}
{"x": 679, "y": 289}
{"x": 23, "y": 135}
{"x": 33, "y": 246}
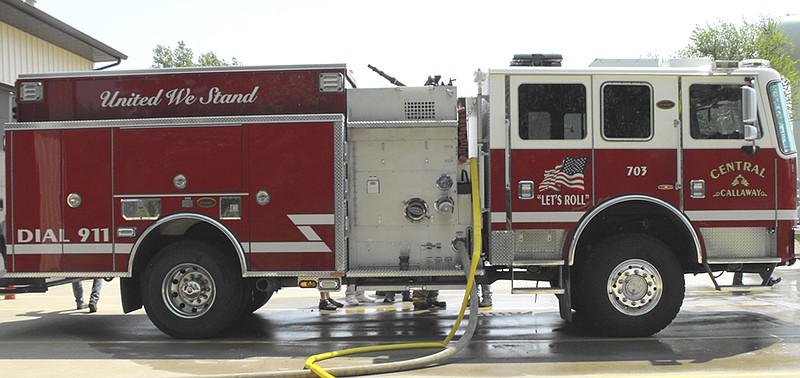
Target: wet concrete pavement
{"x": 715, "y": 335}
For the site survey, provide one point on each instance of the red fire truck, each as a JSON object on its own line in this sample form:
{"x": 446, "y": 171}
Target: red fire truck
{"x": 207, "y": 190}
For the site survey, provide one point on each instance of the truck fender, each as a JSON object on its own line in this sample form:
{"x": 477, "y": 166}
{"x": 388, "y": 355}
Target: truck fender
{"x": 587, "y": 219}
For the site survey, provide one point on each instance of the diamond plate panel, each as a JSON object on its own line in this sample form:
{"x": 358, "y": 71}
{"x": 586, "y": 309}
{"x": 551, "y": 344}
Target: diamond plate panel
{"x": 502, "y": 248}
{"x": 539, "y": 244}
{"x": 739, "y": 242}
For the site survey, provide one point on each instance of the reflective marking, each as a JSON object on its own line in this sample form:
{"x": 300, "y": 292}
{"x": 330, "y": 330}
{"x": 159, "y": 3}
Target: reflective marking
{"x": 309, "y": 233}
{"x": 291, "y": 247}
{"x": 696, "y": 215}
{"x": 539, "y": 217}
{"x": 311, "y": 219}
{"x": 303, "y": 222}
{"x": 70, "y": 249}
{"x": 36, "y": 249}
{"x": 738, "y": 215}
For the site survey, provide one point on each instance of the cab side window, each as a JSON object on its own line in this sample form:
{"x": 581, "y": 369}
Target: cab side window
{"x": 716, "y": 111}
{"x": 627, "y": 111}
{"x": 552, "y": 111}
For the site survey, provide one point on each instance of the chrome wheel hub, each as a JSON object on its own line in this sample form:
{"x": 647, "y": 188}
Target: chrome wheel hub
{"x": 634, "y": 287}
{"x": 188, "y": 290}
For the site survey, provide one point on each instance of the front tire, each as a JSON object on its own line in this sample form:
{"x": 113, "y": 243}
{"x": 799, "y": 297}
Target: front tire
{"x": 632, "y": 285}
{"x": 192, "y": 290}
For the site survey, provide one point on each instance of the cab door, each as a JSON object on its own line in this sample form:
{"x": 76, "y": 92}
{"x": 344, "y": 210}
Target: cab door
{"x": 636, "y": 140}
{"x": 729, "y": 183}
{"x": 550, "y": 158}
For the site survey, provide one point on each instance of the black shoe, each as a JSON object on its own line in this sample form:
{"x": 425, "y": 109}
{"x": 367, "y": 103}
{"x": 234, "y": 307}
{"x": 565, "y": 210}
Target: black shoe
{"x": 92, "y": 307}
{"x": 437, "y": 304}
{"x": 406, "y": 296}
{"x": 335, "y": 303}
{"x": 324, "y": 304}
{"x": 80, "y": 306}
{"x": 773, "y": 281}
{"x": 389, "y": 298}
{"x": 420, "y": 306}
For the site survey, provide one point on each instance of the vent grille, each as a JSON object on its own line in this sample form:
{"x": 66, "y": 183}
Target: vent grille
{"x": 31, "y": 91}
{"x": 416, "y": 110}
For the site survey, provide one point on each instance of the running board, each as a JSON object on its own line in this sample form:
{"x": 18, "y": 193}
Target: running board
{"x": 744, "y": 288}
{"x": 537, "y": 290}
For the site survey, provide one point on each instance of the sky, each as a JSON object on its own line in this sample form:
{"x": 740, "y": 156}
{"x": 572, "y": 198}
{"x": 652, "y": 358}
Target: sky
{"x": 408, "y": 39}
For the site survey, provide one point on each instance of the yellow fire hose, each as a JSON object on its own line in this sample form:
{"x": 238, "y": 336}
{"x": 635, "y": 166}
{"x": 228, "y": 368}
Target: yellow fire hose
{"x": 315, "y": 370}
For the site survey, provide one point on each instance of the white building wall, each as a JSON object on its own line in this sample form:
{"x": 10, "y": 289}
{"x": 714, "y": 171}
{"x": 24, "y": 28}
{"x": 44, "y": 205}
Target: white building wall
{"x": 23, "y": 53}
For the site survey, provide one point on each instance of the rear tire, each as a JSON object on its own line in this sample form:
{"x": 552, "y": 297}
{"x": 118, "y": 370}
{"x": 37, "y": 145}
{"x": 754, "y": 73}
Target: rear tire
{"x": 191, "y": 289}
{"x": 631, "y": 285}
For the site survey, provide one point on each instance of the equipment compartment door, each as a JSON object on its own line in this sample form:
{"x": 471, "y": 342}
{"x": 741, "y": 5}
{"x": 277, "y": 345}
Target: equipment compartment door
{"x": 87, "y": 200}
{"x": 292, "y": 196}
{"x": 35, "y": 201}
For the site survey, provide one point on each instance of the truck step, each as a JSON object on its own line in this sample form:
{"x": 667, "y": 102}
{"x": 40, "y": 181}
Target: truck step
{"x": 522, "y": 263}
{"x": 744, "y": 288}
{"x": 537, "y": 290}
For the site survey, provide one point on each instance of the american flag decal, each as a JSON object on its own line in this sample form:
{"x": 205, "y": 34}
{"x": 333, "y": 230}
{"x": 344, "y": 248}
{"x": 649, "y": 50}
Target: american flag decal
{"x": 568, "y": 174}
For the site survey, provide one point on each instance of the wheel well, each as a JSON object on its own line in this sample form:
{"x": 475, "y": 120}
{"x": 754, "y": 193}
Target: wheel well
{"x": 643, "y": 217}
{"x": 166, "y": 233}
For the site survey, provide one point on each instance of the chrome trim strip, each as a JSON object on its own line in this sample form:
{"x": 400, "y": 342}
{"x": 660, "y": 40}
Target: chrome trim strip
{"x": 755, "y": 260}
{"x": 67, "y": 275}
{"x": 292, "y": 273}
{"x": 171, "y": 71}
{"x": 200, "y": 218}
{"x": 599, "y": 209}
{"x": 400, "y": 124}
{"x": 175, "y": 122}
{"x": 180, "y": 195}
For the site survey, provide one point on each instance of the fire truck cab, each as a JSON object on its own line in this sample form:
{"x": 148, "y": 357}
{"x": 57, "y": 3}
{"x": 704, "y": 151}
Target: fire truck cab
{"x": 207, "y": 190}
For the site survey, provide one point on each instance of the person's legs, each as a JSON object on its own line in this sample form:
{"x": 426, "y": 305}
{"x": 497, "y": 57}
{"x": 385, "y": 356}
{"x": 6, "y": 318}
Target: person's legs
{"x": 77, "y": 291}
{"x": 97, "y": 284}
{"x": 486, "y": 295}
{"x": 324, "y": 301}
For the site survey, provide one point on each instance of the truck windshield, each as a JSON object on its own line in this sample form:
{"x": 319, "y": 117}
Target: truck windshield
{"x": 783, "y": 124}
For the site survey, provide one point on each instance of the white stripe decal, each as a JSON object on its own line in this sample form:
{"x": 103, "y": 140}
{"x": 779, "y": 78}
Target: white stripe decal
{"x": 539, "y": 217}
{"x": 123, "y": 248}
{"x": 303, "y": 222}
{"x": 71, "y": 249}
{"x": 291, "y": 247}
{"x": 309, "y": 233}
{"x": 311, "y": 219}
{"x": 36, "y": 249}
{"x": 87, "y": 248}
{"x": 700, "y": 215}
{"x": 740, "y": 215}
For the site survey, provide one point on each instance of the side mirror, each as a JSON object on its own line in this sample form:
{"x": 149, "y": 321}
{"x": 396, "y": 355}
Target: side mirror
{"x": 749, "y": 112}
{"x": 750, "y": 133}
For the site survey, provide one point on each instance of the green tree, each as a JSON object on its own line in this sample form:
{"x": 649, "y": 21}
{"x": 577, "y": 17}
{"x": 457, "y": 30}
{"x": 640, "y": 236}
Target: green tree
{"x": 761, "y": 39}
{"x": 182, "y": 56}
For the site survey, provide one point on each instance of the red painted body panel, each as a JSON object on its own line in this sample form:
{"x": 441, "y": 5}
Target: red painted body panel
{"x": 533, "y": 165}
{"x": 147, "y": 160}
{"x": 294, "y": 163}
{"x": 183, "y": 94}
{"x": 35, "y": 203}
{"x": 88, "y": 228}
{"x": 731, "y": 174}
{"x": 649, "y": 172}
